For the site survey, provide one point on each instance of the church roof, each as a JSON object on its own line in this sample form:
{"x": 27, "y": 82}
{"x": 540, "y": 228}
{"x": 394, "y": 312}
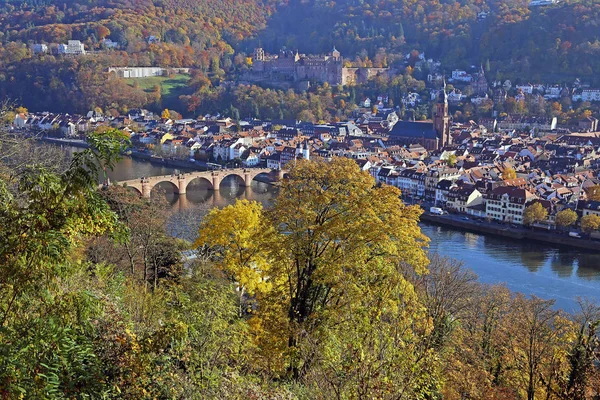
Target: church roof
{"x": 414, "y": 130}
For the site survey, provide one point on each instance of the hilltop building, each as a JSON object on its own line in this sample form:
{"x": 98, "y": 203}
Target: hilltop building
{"x": 73, "y": 47}
{"x": 38, "y": 48}
{"x": 299, "y": 67}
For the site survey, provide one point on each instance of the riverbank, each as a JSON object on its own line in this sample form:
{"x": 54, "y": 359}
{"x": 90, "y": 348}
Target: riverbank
{"x": 508, "y": 232}
{"x": 167, "y": 162}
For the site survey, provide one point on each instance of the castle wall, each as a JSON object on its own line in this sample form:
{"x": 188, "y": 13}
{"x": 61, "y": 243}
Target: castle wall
{"x": 322, "y": 69}
{"x": 360, "y": 75}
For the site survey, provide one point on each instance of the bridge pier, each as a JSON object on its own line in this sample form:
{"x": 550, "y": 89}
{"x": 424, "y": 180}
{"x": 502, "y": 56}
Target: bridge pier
{"x": 183, "y": 202}
{"x": 146, "y": 188}
{"x": 181, "y": 184}
{"x": 216, "y": 181}
{"x": 247, "y": 178}
{"x": 217, "y": 199}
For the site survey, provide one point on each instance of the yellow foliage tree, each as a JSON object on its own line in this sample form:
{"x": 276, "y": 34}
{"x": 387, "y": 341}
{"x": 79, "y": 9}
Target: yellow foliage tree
{"x": 165, "y": 114}
{"x": 323, "y": 266}
{"x": 341, "y": 239}
{"x": 566, "y": 218}
{"x": 593, "y": 193}
{"x": 237, "y": 233}
{"x": 590, "y": 223}
{"x": 509, "y": 173}
{"x": 534, "y": 213}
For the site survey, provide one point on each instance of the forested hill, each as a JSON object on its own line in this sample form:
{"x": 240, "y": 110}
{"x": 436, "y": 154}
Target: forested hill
{"x": 199, "y": 23}
{"x": 516, "y": 39}
{"x": 214, "y": 37}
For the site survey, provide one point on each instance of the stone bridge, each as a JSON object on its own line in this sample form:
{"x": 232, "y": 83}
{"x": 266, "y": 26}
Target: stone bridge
{"x": 180, "y": 181}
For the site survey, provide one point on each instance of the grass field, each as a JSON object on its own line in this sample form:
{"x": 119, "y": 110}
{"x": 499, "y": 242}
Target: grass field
{"x": 169, "y": 86}
{"x": 170, "y": 90}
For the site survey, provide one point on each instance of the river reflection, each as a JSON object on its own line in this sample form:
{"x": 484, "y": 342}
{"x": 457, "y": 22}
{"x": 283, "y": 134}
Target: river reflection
{"x": 530, "y": 268}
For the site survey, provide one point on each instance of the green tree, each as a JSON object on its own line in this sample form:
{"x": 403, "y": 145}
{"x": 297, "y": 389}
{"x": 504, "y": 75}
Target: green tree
{"x": 44, "y": 221}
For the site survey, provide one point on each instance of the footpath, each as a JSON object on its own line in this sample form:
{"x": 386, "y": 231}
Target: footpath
{"x": 552, "y": 238}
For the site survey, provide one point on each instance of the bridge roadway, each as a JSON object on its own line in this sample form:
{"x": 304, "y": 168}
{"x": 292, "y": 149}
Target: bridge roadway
{"x": 180, "y": 181}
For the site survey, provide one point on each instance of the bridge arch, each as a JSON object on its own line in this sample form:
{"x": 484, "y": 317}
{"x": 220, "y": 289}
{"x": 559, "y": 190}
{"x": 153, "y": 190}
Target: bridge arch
{"x": 132, "y": 188}
{"x": 164, "y": 183}
{"x": 200, "y": 179}
{"x": 264, "y": 176}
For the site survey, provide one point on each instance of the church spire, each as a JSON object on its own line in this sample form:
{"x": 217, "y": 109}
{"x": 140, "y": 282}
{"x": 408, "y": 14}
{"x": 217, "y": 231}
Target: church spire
{"x": 443, "y": 97}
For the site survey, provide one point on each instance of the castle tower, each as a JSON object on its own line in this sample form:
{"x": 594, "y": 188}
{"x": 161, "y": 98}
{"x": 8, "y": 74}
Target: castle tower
{"x": 441, "y": 121}
{"x": 258, "y": 61}
{"x": 259, "y": 54}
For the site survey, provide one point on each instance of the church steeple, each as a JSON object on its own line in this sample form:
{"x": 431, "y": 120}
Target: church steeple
{"x": 441, "y": 121}
{"x": 443, "y": 96}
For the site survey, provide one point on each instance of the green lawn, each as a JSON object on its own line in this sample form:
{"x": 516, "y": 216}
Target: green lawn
{"x": 170, "y": 90}
{"x": 169, "y": 85}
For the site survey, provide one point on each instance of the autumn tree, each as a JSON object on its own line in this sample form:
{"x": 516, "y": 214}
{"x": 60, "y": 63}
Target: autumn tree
{"x": 336, "y": 245}
{"x": 534, "y": 213}
{"x": 339, "y": 232}
{"x": 590, "y": 223}
{"x": 446, "y": 292}
{"x": 238, "y": 233}
{"x": 593, "y": 193}
{"x": 451, "y": 160}
{"x": 165, "y": 114}
{"x": 509, "y": 173}
{"x": 537, "y": 332}
{"x": 566, "y": 218}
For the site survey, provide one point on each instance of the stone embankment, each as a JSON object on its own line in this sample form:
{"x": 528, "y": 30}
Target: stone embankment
{"x": 551, "y": 238}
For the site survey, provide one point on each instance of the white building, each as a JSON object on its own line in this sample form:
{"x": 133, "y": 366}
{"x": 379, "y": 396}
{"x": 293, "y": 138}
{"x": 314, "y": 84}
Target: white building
{"x": 590, "y": 95}
{"x": 527, "y": 89}
{"x": 109, "y": 44}
{"x": 39, "y": 48}
{"x": 507, "y": 204}
{"x": 73, "y": 47}
{"x": 462, "y": 76}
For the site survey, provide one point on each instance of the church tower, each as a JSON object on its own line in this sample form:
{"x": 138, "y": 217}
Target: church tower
{"x": 336, "y": 55}
{"x": 441, "y": 121}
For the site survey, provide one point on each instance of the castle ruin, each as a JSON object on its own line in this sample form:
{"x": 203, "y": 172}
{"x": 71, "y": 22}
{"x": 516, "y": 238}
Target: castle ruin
{"x": 299, "y": 67}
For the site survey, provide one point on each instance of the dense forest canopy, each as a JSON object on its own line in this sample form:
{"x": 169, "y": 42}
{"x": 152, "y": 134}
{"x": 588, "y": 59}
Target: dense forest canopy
{"x": 553, "y": 44}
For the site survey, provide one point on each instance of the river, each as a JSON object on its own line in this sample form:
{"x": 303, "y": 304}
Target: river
{"x": 529, "y": 268}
